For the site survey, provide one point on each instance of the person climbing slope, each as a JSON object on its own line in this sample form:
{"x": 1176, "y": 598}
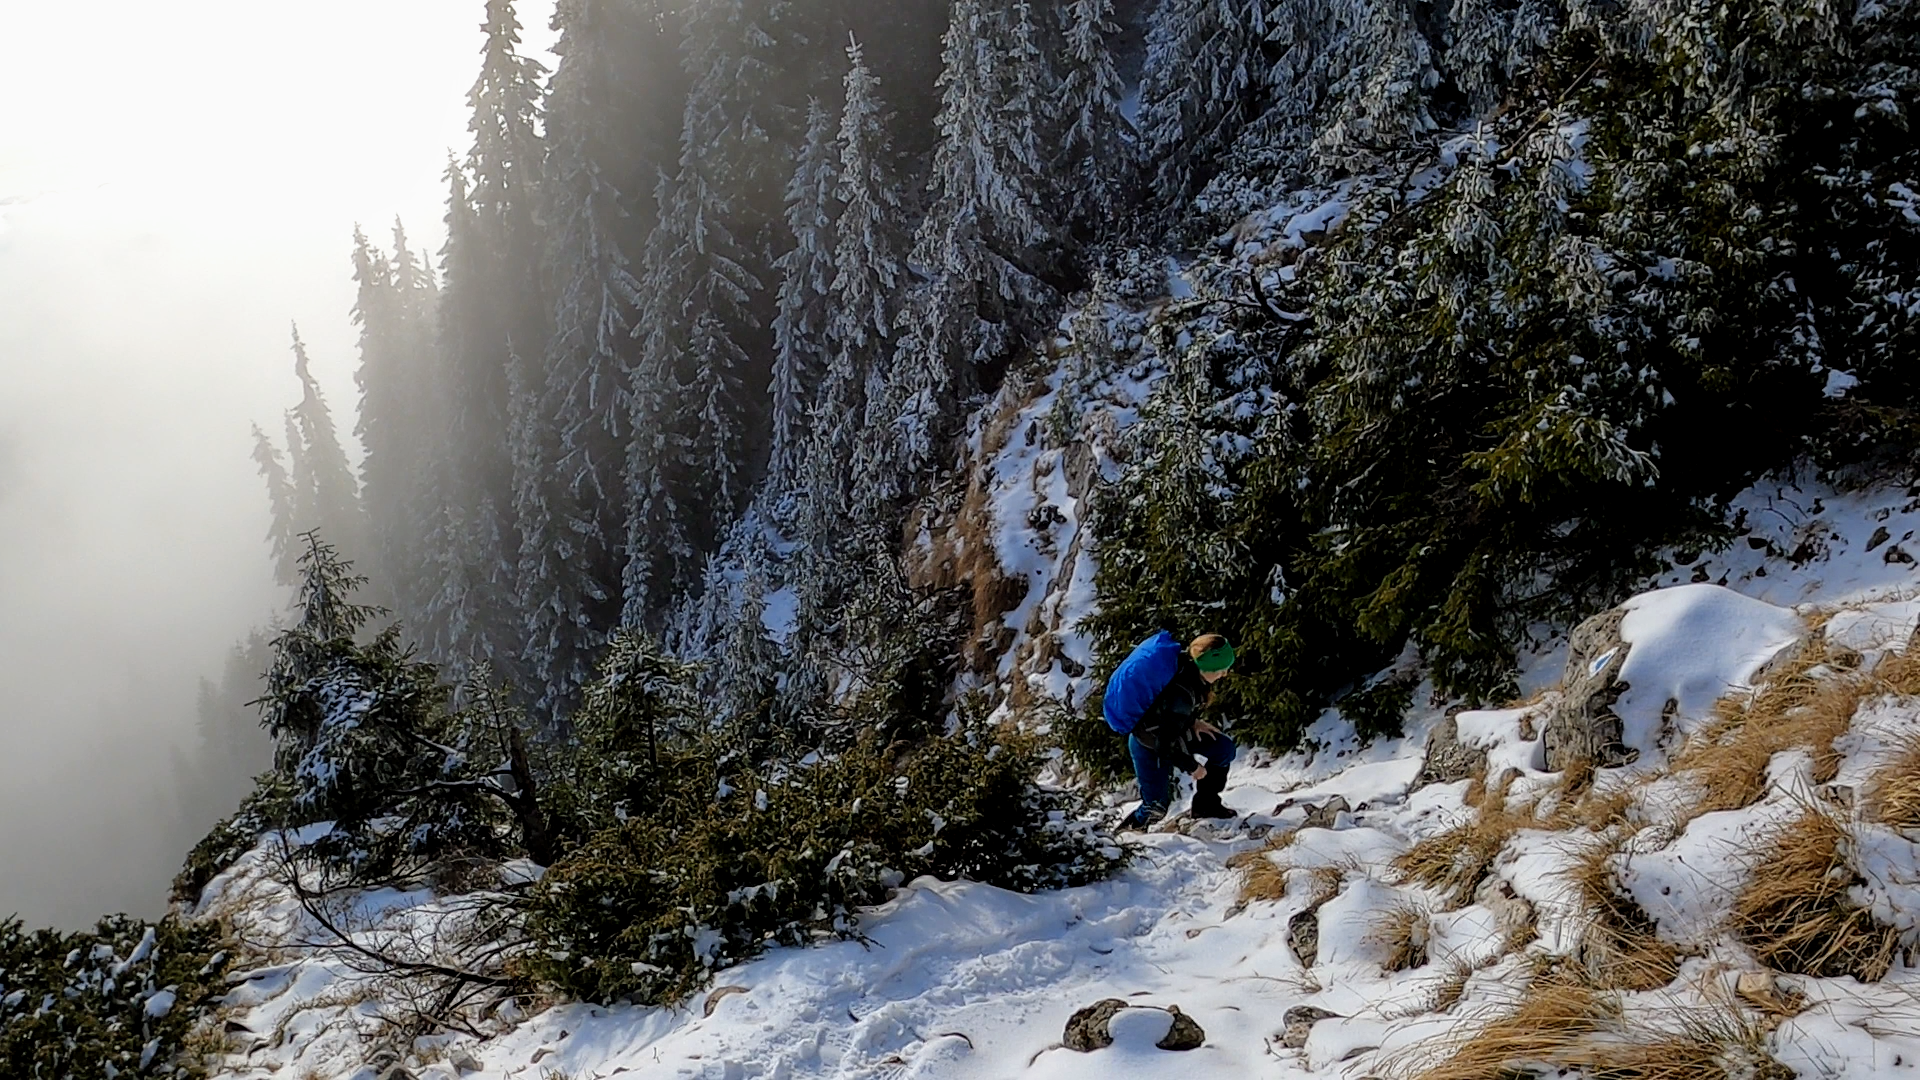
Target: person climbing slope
{"x": 1154, "y": 698}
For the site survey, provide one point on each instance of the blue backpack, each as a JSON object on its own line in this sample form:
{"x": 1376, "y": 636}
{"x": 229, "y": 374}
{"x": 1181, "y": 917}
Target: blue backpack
{"x": 1139, "y": 679}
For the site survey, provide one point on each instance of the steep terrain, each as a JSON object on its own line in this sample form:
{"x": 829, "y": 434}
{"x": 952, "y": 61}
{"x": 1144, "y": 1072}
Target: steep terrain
{"x": 1737, "y": 899}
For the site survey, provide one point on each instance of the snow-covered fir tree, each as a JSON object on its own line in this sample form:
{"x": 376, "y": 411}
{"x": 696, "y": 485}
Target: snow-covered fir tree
{"x": 978, "y": 299}
{"x": 1198, "y": 87}
{"x": 1097, "y": 138}
{"x": 801, "y": 342}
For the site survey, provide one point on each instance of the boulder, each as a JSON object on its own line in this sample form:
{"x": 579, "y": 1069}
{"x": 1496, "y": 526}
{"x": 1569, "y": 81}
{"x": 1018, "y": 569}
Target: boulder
{"x": 1448, "y": 760}
{"x": 1185, "y": 1034}
{"x": 1090, "y": 1029}
{"x": 1303, "y": 936}
{"x": 1582, "y": 728}
{"x": 1297, "y": 1024}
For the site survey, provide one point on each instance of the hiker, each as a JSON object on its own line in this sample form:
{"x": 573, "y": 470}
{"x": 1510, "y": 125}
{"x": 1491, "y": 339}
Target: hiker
{"x": 1154, "y": 699}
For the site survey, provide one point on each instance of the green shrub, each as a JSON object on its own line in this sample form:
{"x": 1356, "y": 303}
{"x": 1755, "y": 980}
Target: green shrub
{"x": 119, "y": 999}
{"x": 728, "y": 861}
{"x": 265, "y": 808}
{"x": 1492, "y": 405}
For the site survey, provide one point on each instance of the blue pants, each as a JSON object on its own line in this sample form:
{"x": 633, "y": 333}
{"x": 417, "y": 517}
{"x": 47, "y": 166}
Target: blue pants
{"x": 1156, "y": 776}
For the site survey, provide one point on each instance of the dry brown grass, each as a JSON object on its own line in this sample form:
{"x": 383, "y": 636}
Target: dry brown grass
{"x": 1554, "y": 1015}
{"x": 1454, "y": 862}
{"x": 1261, "y": 878}
{"x": 1563, "y": 1027}
{"x": 1894, "y": 796}
{"x": 1451, "y": 988}
{"x": 1407, "y": 933}
{"x": 1806, "y": 703}
{"x": 1796, "y": 916}
{"x": 1619, "y": 946}
{"x": 1264, "y": 878}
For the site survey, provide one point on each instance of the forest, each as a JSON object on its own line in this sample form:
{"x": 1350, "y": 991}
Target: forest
{"x": 646, "y": 446}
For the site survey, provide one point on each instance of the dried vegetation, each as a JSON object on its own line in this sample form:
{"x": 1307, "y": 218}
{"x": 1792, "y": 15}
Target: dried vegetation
{"x": 1619, "y": 948}
{"x": 1797, "y": 917}
{"x": 1564, "y": 1027}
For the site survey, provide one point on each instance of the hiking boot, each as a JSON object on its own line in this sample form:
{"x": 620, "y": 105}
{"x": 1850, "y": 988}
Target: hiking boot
{"x": 1206, "y": 795}
{"x": 1144, "y": 817}
{"x": 1211, "y": 807}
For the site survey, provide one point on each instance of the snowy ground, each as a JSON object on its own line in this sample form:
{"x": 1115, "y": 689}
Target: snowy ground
{"x": 967, "y": 982}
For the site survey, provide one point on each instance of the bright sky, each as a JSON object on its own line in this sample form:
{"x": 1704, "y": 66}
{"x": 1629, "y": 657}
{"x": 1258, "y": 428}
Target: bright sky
{"x": 178, "y": 183}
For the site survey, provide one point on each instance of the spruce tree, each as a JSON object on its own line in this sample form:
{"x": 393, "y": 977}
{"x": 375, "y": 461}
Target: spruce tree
{"x": 331, "y": 496}
{"x": 283, "y": 526}
{"x": 494, "y": 301}
{"x": 1096, "y": 142}
{"x": 800, "y": 330}
{"x": 979, "y": 300}
{"x": 1198, "y": 89}
{"x": 557, "y": 592}
{"x": 608, "y": 133}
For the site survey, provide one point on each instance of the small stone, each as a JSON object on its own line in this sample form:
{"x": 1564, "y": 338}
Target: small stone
{"x": 464, "y": 1062}
{"x": 1324, "y": 815}
{"x": 1303, "y": 936}
{"x": 1297, "y": 1023}
{"x": 1087, "y": 1029}
{"x": 1185, "y": 1034}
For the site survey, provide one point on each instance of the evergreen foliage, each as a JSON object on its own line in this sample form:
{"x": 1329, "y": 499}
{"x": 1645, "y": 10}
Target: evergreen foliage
{"x": 1616, "y": 305}
{"x": 120, "y": 999}
{"x": 648, "y": 910}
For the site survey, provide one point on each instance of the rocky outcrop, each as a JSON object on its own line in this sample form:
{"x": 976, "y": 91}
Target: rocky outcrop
{"x": 1582, "y": 728}
{"x": 1090, "y": 1028}
{"x": 1448, "y": 760}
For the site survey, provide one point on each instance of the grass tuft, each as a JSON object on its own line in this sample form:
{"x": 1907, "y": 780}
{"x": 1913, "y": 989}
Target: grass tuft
{"x": 1454, "y": 862}
{"x": 1796, "y": 917}
{"x": 1563, "y": 1027}
{"x": 1806, "y": 703}
{"x": 1620, "y": 948}
{"x": 1893, "y": 798}
{"x": 1407, "y": 933}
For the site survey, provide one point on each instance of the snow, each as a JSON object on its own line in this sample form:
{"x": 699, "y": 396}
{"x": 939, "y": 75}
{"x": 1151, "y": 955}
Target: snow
{"x": 1692, "y": 645}
{"x": 160, "y": 1004}
{"x": 781, "y": 612}
{"x": 962, "y": 981}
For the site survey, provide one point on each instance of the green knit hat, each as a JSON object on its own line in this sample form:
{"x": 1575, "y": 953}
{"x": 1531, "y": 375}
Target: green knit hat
{"x": 1218, "y": 658}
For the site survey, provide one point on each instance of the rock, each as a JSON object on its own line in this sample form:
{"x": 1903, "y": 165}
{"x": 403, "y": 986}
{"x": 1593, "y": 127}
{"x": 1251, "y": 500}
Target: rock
{"x": 720, "y": 993}
{"x": 1303, "y": 936}
{"x": 1185, "y": 1034}
{"x": 1582, "y": 728}
{"x": 397, "y": 1072}
{"x": 1087, "y": 1029}
{"x": 1297, "y": 1024}
{"x": 464, "y": 1062}
{"x": 1324, "y": 815}
{"x": 1448, "y": 760}
{"x": 1090, "y": 1029}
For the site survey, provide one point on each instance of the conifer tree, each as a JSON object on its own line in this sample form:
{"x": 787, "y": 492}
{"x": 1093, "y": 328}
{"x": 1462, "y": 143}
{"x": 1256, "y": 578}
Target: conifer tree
{"x": 283, "y": 527}
{"x": 331, "y": 496}
{"x": 979, "y": 299}
{"x": 800, "y": 330}
{"x": 608, "y": 134}
{"x": 1096, "y": 142}
{"x": 702, "y": 333}
{"x": 868, "y": 272}
{"x": 1198, "y": 87}
{"x": 557, "y": 591}
{"x": 494, "y": 299}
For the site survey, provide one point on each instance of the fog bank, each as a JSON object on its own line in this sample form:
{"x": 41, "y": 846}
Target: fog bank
{"x": 178, "y": 184}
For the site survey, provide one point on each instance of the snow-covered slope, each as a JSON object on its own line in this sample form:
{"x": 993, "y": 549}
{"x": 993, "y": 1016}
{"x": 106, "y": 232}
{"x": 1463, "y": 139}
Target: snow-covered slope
{"x": 964, "y": 981}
